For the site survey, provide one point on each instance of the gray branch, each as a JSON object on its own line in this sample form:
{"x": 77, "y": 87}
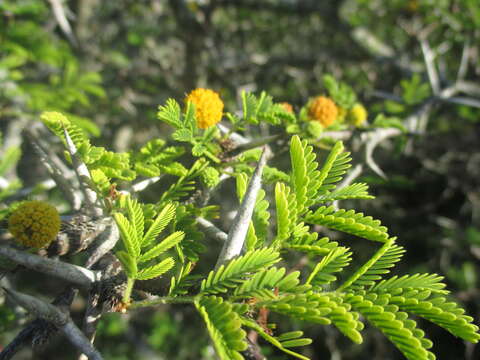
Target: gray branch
{"x": 238, "y": 231}
{"x": 211, "y": 230}
{"x": 463, "y": 67}
{"x": 58, "y": 318}
{"x": 76, "y": 337}
{"x": 83, "y": 177}
{"x": 107, "y": 241}
{"x": 142, "y": 185}
{"x": 432, "y": 72}
{"x": 68, "y": 272}
{"x": 62, "y": 21}
{"x": 54, "y": 166}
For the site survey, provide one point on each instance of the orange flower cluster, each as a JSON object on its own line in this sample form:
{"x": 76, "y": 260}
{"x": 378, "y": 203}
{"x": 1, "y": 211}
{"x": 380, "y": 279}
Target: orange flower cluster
{"x": 323, "y": 110}
{"x": 208, "y": 107}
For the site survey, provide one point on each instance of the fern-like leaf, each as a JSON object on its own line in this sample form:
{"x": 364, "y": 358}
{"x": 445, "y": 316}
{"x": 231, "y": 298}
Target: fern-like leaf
{"x": 438, "y": 310}
{"x": 333, "y": 262}
{"x": 396, "y": 326}
{"x": 430, "y": 282}
{"x": 170, "y": 113}
{"x": 162, "y": 220}
{"x": 286, "y": 213}
{"x": 156, "y": 270}
{"x": 167, "y": 243}
{"x": 128, "y": 235}
{"x": 305, "y": 178}
{"x": 135, "y": 214}
{"x": 273, "y": 278}
{"x": 346, "y": 320}
{"x": 377, "y": 266}
{"x": 349, "y": 222}
{"x": 224, "y": 327}
{"x": 318, "y": 308}
{"x": 235, "y": 271}
{"x": 334, "y": 168}
{"x": 249, "y": 104}
{"x": 310, "y": 243}
{"x": 57, "y": 122}
{"x": 353, "y": 191}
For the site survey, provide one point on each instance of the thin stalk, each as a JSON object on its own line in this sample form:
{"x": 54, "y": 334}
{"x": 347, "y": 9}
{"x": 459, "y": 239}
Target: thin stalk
{"x": 164, "y": 300}
{"x": 128, "y": 290}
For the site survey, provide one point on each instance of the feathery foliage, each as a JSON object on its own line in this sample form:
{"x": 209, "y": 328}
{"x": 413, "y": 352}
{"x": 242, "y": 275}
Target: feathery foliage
{"x": 233, "y": 273}
{"x": 224, "y": 326}
{"x": 241, "y": 293}
{"x": 138, "y": 244}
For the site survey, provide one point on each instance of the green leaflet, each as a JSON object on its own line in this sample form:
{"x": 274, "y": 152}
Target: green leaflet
{"x": 170, "y": 113}
{"x": 394, "y": 324}
{"x": 235, "y": 271}
{"x": 307, "y": 242}
{"x": 155, "y": 270}
{"x": 438, "y": 310}
{"x": 319, "y": 308}
{"x": 286, "y": 213}
{"x": 430, "y": 282}
{"x": 305, "y": 178}
{"x": 163, "y": 218}
{"x": 263, "y": 283}
{"x": 224, "y": 327}
{"x": 333, "y": 262}
{"x": 376, "y": 267}
{"x": 57, "y": 122}
{"x": 350, "y": 222}
{"x": 138, "y": 245}
{"x": 167, "y": 243}
{"x": 128, "y": 235}
{"x": 352, "y": 191}
{"x": 262, "y": 109}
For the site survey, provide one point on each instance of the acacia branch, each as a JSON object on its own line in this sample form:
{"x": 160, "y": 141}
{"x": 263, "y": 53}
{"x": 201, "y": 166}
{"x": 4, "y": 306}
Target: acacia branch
{"x": 55, "y": 167}
{"x": 106, "y": 242}
{"x": 84, "y": 177}
{"x": 211, "y": 230}
{"x": 58, "y": 318}
{"x": 72, "y": 273}
{"x": 432, "y": 72}
{"x": 143, "y": 184}
{"x": 463, "y": 67}
{"x": 238, "y": 231}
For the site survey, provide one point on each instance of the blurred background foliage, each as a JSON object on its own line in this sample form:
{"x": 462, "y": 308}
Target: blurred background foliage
{"x": 109, "y": 64}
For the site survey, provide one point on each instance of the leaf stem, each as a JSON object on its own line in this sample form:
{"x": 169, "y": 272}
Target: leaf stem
{"x": 164, "y": 300}
{"x": 128, "y": 290}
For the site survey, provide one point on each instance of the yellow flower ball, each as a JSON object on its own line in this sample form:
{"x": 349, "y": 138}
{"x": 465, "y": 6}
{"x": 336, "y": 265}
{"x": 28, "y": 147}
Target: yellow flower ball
{"x": 323, "y": 110}
{"x": 208, "y": 107}
{"x": 34, "y": 224}
{"x": 357, "y": 115}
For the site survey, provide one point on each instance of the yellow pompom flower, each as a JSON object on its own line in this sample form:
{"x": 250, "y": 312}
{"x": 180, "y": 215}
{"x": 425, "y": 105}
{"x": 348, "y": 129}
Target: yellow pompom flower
{"x": 357, "y": 115}
{"x": 208, "y": 107}
{"x": 34, "y": 223}
{"x": 323, "y": 110}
